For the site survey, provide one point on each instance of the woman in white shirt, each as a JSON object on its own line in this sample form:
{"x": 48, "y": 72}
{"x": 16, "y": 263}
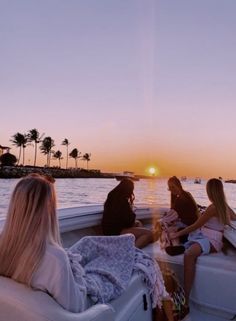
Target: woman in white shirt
{"x": 30, "y": 246}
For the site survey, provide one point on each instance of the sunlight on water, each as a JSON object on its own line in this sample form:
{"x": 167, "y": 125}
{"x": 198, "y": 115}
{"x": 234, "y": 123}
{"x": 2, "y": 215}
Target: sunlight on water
{"x": 76, "y": 192}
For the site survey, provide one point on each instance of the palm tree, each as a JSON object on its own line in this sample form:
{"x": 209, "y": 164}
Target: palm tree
{"x": 66, "y": 143}
{"x": 75, "y": 154}
{"x": 20, "y": 140}
{"x": 34, "y": 136}
{"x": 57, "y": 155}
{"x": 86, "y": 157}
{"x": 46, "y": 148}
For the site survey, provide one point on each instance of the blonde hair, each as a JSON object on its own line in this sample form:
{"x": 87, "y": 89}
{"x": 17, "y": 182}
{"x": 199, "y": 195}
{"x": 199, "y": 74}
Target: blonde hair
{"x": 31, "y": 222}
{"x": 215, "y": 192}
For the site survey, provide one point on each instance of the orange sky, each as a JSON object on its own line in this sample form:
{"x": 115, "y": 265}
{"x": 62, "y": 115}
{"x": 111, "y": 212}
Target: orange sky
{"x": 145, "y": 83}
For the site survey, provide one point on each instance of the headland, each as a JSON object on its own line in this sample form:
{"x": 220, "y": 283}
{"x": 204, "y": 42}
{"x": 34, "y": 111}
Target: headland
{"x": 56, "y": 172}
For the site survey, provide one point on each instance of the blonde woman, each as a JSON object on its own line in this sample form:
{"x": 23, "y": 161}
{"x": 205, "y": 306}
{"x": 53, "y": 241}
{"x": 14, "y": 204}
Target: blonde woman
{"x": 206, "y": 233}
{"x": 31, "y": 253}
{"x": 30, "y": 246}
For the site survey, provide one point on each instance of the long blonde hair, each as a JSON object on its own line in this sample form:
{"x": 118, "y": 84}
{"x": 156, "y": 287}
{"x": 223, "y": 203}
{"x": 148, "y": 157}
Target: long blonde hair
{"x": 215, "y": 192}
{"x": 31, "y": 223}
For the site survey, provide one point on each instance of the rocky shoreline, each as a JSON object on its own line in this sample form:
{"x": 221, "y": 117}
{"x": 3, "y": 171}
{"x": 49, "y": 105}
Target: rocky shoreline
{"x": 20, "y": 171}
{"x": 233, "y": 181}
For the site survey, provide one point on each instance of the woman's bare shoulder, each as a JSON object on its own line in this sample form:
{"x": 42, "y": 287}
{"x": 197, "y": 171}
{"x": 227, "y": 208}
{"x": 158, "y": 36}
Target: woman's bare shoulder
{"x": 211, "y": 210}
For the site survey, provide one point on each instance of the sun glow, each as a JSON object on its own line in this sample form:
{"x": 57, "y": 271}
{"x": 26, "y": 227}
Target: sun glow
{"x": 152, "y": 171}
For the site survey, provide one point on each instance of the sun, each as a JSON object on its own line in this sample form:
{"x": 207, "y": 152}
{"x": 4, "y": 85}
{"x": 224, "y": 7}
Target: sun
{"x": 152, "y": 171}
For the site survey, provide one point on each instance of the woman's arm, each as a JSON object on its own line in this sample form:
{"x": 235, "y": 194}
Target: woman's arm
{"x": 126, "y": 215}
{"x": 71, "y": 292}
{"x": 210, "y": 212}
{"x": 67, "y": 289}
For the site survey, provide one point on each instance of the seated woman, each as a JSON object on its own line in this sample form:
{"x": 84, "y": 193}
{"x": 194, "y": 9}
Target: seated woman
{"x": 119, "y": 217}
{"x": 182, "y": 202}
{"x": 31, "y": 253}
{"x": 183, "y": 212}
{"x": 205, "y": 234}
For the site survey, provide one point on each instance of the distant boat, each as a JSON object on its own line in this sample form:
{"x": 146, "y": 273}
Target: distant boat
{"x": 197, "y": 180}
{"x": 126, "y": 174}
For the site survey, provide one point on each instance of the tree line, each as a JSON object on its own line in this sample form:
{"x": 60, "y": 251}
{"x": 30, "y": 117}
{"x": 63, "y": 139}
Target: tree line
{"x": 45, "y": 144}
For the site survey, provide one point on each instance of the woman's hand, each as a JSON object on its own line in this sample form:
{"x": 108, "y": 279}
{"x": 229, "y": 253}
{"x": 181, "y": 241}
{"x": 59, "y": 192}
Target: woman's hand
{"x": 173, "y": 235}
{"x": 138, "y": 223}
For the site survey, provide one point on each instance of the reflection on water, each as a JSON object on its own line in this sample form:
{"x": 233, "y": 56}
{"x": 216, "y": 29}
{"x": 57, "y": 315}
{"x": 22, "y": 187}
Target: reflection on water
{"x": 76, "y": 192}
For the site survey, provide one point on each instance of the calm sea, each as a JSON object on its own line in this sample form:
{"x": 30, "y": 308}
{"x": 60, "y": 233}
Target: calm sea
{"x": 90, "y": 191}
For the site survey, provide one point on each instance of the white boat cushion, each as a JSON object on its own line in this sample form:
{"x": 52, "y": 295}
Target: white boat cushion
{"x": 134, "y": 304}
{"x": 20, "y": 303}
{"x": 214, "y": 284}
{"x": 230, "y": 233}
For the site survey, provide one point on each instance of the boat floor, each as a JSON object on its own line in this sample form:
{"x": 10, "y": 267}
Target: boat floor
{"x": 196, "y": 315}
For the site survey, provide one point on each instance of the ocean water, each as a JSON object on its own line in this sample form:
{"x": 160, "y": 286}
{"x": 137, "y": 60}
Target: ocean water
{"x": 90, "y": 191}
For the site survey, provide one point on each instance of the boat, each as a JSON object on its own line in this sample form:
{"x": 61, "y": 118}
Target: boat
{"x": 20, "y": 303}
{"x": 212, "y": 297}
{"x": 126, "y": 174}
{"x": 197, "y": 180}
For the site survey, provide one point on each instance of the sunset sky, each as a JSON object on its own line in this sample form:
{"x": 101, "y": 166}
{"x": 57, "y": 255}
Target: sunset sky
{"x": 136, "y": 83}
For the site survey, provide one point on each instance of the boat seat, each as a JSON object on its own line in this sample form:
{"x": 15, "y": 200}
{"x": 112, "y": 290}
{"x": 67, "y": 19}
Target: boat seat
{"x": 20, "y": 303}
{"x": 134, "y": 304}
{"x": 214, "y": 284}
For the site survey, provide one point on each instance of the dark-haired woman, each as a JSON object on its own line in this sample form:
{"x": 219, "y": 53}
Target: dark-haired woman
{"x": 119, "y": 217}
{"x": 182, "y": 202}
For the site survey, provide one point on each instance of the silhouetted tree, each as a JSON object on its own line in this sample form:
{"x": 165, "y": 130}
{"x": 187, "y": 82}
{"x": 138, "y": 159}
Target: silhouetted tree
{"x": 57, "y": 155}
{"x": 34, "y": 136}
{"x": 86, "y": 157}
{"x": 46, "y": 148}
{"x": 8, "y": 159}
{"x": 66, "y": 143}
{"x": 20, "y": 140}
{"x": 75, "y": 154}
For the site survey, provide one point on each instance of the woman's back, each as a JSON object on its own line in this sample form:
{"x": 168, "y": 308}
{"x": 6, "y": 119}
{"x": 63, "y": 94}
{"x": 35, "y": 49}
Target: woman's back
{"x": 55, "y": 277}
{"x": 117, "y": 215}
{"x": 214, "y": 224}
{"x": 186, "y": 207}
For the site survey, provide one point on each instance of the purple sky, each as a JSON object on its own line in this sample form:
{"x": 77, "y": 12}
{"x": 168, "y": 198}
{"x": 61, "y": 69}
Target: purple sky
{"x": 135, "y": 83}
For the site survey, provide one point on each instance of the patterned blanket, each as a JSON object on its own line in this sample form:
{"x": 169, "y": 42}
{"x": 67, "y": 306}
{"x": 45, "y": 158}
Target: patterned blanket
{"x": 107, "y": 264}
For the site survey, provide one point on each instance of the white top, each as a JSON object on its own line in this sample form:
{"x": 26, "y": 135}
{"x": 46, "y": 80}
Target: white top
{"x": 55, "y": 277}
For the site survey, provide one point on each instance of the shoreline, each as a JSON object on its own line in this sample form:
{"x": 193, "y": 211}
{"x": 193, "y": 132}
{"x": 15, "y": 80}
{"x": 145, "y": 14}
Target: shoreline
{"x": 56, "y": 172}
